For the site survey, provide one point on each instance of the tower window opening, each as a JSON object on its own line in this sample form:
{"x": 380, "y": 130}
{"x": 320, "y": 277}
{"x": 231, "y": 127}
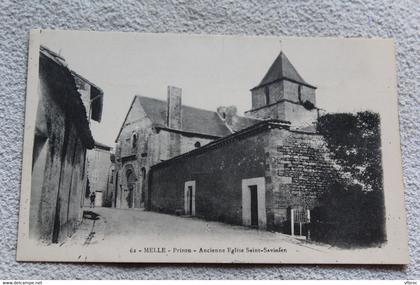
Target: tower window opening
{"x": 267, "y": 95}
{"x": 300, "y": 93}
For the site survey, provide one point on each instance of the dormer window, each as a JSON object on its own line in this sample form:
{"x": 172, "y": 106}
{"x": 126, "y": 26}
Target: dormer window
{"x": 134, "y": 140}
{"x": 267, "y": 95}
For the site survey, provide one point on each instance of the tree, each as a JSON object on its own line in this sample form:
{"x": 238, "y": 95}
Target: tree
{"x": 352, "y": 210}
{"x": 355, "y": 142}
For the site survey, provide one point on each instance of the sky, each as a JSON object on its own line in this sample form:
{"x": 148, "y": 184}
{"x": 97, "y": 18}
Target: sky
{"x": 350, "y": 74}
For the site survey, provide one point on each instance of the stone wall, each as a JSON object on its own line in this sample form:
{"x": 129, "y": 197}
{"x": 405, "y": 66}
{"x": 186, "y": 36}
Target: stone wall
{"x": 275, "y": 94}
{"x": 298, "y": 115}
{"x": 58, "y": 177}
{"x": 218, "y": 174}
{"x": 299, "y": 170}
{"x": 153, "y": 146}
{"x": 131, "y": 156}
{"x": 295, "y": 165}
{"x": 274, "y": 111}
{"x": 286, "y": 103}
{"x": 291, "y": 92}
{"x": 161, "y": 145}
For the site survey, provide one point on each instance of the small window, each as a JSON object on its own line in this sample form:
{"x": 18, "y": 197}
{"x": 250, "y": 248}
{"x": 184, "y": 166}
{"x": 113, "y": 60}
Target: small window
{"x": 197, "y": 144}
{"x": 111, "y": 179}
{"x": 267, "y": 95}
{"x": 134, "y": 141}
{"x": 224, "y": 115}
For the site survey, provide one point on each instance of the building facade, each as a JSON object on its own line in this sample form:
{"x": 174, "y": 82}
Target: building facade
{"x": 266, "y": 170}
{"x": 98, "y": 171}
{"x": 62, "y": 137}
{"x": 255, "y": 177}
{"x": 155, "y": 131}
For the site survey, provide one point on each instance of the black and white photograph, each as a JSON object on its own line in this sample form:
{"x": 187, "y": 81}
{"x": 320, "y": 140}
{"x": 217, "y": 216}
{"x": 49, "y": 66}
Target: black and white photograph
{"x": 211, "y": 149}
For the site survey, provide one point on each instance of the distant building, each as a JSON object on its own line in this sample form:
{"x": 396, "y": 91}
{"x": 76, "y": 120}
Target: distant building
{"x": 67, "y": 103}
{"x": 98, "y": 168}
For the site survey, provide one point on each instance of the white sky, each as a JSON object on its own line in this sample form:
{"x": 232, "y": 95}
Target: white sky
{"x": 351, "y": 75}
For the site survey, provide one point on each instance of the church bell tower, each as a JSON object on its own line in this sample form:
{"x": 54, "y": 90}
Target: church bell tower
{"x": 283, "y": 95}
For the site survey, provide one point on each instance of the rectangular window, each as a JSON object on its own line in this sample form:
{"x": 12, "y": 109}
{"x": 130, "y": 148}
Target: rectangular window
{"x": 111, "y": 179}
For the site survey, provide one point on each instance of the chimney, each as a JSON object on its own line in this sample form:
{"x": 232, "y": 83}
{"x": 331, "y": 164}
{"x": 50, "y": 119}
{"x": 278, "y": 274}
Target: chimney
{"x": 227, "y": 114}
{"x": 173, "y": 112}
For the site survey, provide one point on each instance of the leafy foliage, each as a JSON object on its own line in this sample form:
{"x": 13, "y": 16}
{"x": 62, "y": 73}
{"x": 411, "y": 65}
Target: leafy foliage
{"x": 352, "y": 211}
{"x": 355, "y": 141}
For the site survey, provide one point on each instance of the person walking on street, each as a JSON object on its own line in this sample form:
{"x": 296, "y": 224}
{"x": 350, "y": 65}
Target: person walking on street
{"x": 92, "y": 199}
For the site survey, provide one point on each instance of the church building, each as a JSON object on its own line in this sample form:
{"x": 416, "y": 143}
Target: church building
{"x": 265, "y": 169}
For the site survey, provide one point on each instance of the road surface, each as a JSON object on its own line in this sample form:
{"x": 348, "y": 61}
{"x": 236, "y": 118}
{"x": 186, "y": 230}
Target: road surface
{"x": 122, "y": 226}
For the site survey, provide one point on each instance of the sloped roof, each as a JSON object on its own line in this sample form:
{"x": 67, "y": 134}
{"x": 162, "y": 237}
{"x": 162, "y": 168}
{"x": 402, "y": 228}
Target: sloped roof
{"x": 61, "y": 81}
{"x": 96, "y": 93}
{"x": 96, "y": 97}
{"x": 240, "y": 123}
{"x": 282, "y": 68}
{"x": 252, "y": 130}
{"x": 102, "y": 146}
{"x": 194, "y": 120}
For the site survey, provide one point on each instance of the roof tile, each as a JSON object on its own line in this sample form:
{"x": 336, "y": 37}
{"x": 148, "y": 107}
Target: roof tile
{"x": 194, "y": 120}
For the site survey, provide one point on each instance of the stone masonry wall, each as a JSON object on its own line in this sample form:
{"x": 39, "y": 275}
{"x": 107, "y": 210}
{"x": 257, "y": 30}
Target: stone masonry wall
{"x": 296, "y": 167}
{"x": 298, "y": 171}
{"x": 58, "y": 179}
{"x": 299, "y": 115}
{"x": 291, "y": 92}
{"x": 132, "y": 157}
{"x": 218, "y": 174}
{"x": 153, "y": 146}
{"x": 275, "y": 112}
{"x": 275, "y": 94}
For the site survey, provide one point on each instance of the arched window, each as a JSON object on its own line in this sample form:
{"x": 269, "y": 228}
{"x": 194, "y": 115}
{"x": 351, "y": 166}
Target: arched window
{"x": 143, "y": 172}
{"x": 267, "y": 95}
{"x": 197, "y": 144}
{"x": 134, "y": 140}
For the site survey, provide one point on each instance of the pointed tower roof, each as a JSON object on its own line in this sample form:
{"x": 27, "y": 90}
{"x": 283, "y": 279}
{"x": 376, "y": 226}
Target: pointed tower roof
{"x": 282, "y": 68}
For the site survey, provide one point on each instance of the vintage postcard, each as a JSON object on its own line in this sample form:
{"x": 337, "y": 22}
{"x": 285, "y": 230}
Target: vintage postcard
{"x": 211, "y": 149}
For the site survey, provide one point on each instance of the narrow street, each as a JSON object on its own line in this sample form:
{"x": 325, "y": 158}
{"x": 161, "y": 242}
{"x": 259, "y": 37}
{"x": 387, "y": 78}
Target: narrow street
{"x": 123, "y": 226}
{"x": 134, "y": 235}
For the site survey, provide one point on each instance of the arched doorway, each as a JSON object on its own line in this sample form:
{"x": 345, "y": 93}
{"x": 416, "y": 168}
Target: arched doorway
{"x": 131, "y": 187}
